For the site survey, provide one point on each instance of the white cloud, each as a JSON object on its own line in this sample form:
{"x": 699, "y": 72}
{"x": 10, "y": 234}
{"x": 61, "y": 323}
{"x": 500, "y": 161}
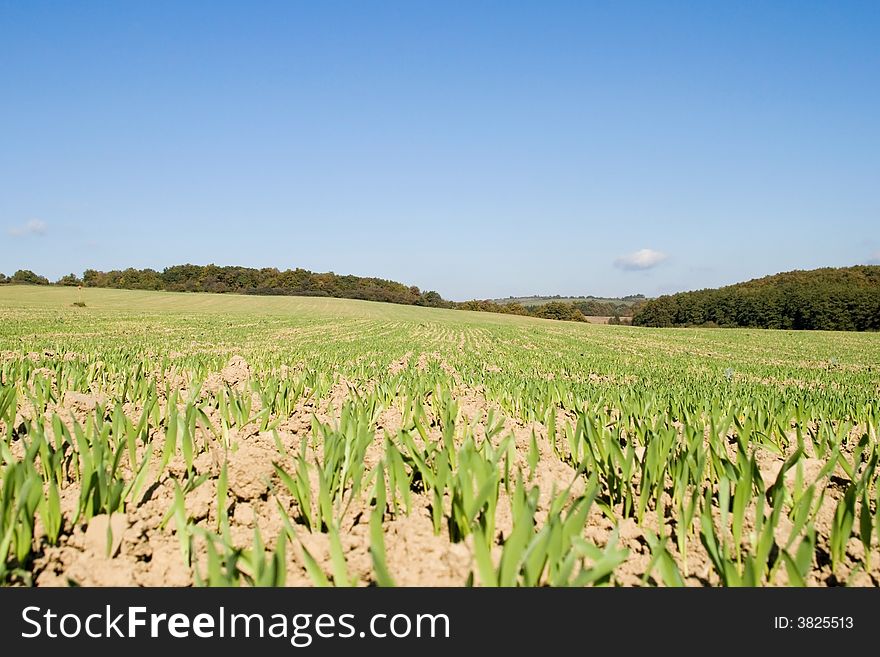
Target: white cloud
{"x": 640, "y": 260}
{"x": 30, "y": 227}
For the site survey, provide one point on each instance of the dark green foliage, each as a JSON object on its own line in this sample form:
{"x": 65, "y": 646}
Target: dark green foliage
{"x": 266, "y": 281}
{"x": 589, "y": 306}
{"x": 27, "y": 277}
{"x": 433, "y": 299}
{"x": 559, "y": 310}
{"x": 487, "y": 306}
{"x": 845, "y": 299}
{"x": 71, "y": 280}
{"x": 608, "y": 309}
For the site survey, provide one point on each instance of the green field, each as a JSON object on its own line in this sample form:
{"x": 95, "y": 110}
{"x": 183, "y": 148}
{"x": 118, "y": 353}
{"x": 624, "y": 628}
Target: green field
{"x": 185, "y": 439}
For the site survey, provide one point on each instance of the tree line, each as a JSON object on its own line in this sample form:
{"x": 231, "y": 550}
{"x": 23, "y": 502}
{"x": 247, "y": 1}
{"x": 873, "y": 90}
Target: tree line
{"x": 838, "y": 299}
{"x": 241, "y": 280}
{"x": 608, "y": 308}
{"x": 553, "y": 310}
{"x": 846, "y": 299}
{"x": 301, "y": 282}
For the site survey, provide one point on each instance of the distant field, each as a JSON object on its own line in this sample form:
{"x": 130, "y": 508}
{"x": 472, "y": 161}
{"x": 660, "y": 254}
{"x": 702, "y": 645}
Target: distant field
{"x": 539, "y": 301}
{"x": 285, "y": 440}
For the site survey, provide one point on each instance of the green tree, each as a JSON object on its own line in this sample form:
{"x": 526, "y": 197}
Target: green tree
{"x": 71, "y": 280}
{"x": 842, "y": 299}
{"x": 559, "y": 310}
{"x": 27, "y": 277}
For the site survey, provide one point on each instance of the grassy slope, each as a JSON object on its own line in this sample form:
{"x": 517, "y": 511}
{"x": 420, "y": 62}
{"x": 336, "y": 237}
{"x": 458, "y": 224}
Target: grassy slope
{"x": 27, "y": 296}
{"x": 515, "y": 363}
{"x": 547, "y": 340}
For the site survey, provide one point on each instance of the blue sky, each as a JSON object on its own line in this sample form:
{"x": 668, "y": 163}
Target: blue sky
{"x": 481, "y": 149}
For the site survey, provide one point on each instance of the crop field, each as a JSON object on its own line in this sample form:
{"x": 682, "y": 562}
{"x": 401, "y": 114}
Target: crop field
{"x": 192, "y": 439}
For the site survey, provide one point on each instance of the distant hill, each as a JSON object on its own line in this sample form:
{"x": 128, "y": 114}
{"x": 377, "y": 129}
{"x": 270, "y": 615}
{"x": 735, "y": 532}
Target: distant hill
{"x": 841, "y": 299}
{"x": 589, "y": 306}
{"x": 538, "y": 300}
{"x": 270, "y": 281}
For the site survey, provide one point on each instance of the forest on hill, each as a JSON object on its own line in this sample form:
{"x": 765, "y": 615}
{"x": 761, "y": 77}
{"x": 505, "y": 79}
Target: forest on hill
{"x": 290, "y": 282}
{"x": 588, "y": 305}
{"x": 243, "y": 280}
{"x": 833, "y": 299}
{"x": 846, "y": 299}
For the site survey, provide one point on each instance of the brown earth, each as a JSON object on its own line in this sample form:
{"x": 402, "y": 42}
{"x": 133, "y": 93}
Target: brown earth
{"x": 140, "y": 547}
